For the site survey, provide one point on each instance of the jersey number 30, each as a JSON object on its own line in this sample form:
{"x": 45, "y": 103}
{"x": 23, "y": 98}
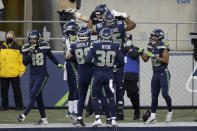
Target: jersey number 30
{"x": 106, "y": 58}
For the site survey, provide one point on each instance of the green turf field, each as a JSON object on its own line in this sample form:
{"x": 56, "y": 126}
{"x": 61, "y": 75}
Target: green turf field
{"x": 58, "y": 116}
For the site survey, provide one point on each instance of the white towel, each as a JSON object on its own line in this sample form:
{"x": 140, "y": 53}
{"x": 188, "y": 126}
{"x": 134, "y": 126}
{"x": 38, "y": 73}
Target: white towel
{"x": 65, "y": 72}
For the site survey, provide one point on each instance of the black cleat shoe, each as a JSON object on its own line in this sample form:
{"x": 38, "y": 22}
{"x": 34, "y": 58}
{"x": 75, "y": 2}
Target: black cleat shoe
{"x": 136, "y": 116}
{"x": 108, "y": 122}
{"x": 21, "y": 118}
{"x": 80, "y": 123}
{"x": 120, "y": 115}
{"x": 42, "y": 121}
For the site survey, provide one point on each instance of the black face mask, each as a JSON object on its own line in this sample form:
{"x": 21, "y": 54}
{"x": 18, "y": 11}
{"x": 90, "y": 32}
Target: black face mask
{"x": 9, "y": 40}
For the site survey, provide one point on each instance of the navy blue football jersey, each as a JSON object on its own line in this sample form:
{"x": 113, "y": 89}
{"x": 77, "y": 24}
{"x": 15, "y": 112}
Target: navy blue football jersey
{"x": 80, "y": 50}
{"x": 118, "y": 30}
{"x": 158, "y": 51}
{"x": 105, "y": 54}
{"x": 37, "y": 58}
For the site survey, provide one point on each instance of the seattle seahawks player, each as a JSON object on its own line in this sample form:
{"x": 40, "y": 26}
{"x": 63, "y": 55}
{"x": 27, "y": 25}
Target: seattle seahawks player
{"x": 105, "y": 54}
{"x": 70, "y": 37}
{"x": 118, "y": 28}
{"x": 79, "y": 50}
{"x": 35, "y": 53}
{"x": 158, "y": 52}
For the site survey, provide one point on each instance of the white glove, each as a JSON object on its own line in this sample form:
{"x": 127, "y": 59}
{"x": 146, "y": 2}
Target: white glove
{"x": 77, "y": 14}
{"x": 124, "y": 15}
{"x": 74, "y": 11}
{"x": 116, "y": 13}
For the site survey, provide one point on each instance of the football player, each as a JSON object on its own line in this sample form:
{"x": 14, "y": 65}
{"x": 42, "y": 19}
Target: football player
{"x": 79, "y": 50}
{"x": 69, "y": 38}
{"x": 158, "y": 52}
{"x": 118, "y": 28}
{"x": 35, "y": 53}
{"x": 105, "y": 54}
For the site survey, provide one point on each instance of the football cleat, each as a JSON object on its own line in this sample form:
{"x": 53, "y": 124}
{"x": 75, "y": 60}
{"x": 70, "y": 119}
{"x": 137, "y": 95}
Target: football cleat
{"x": 43, "y": 121}
{"x": 108, "y": 122}
{"x": 97, "y": 123}
{"x": 114, "y": 123}
{"x": 80, "y": 123}
{"x": 169, "y": 116}
{"x": 120, "y": 114}
{"x": 150, "y": 120}
{"x": 136, "y": 116}
{"x": 21, "y": 117}
{"x": 72, "y": 118}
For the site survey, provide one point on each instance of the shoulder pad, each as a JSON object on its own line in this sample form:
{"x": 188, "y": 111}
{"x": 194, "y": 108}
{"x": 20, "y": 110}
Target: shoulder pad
{"x": 162, "y": 46}
{"x": 44, "y": 45}
{"x": 25, "y": 47}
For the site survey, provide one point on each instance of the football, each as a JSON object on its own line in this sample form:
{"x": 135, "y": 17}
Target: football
{"x": 146, "y": 115}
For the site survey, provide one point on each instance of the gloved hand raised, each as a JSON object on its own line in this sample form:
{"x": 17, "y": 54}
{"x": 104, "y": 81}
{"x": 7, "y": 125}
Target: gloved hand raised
{"x": 32, "y": 47}
{"x": 148, "y": 53}
{"x": 141, "y": 51}
{"x": 60, "y": 66}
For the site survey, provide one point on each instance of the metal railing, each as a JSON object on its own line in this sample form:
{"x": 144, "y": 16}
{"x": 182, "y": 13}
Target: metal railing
{"x": 174, "y": 25}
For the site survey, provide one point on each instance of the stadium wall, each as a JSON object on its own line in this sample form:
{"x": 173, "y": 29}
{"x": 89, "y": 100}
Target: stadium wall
{"x": 143, "y": 12}
{"x": 181, "y": 67}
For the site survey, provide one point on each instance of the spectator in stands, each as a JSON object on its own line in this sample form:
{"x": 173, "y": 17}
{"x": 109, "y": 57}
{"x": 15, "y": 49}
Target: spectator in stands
{"x": 131, "y": 75}
{"x": 63, "y": 10}
{"x": 11, "y": 69}
{"x": 1, "y": 9}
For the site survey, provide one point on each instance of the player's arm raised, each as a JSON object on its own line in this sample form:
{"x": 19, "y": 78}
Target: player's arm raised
{"x": 130, "y": 24}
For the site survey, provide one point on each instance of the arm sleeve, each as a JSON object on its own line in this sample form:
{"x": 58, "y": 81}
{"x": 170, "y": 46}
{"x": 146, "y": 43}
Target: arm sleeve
{"x": 26, "y": 55}
{"x": 134, "y": 54}
{"x": 52, "y": 57}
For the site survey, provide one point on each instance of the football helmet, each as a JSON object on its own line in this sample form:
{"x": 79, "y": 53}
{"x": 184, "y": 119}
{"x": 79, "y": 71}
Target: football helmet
{"x": 34, "y": 35}
{"x": 70, "y": 28}
{"x": 108, "y": 18}
{"x": 159, "y": 34}
{"x": 105, "y": 34}
{"x": 84, "y": 33}
{"x": 100, "y": 9}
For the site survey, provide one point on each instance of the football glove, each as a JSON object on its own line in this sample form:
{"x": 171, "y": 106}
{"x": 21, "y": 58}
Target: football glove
{"x": 148, "y": 53}
{"x": 141, "y": 51}
{"x": 32, "y": 47}
{"x": 116, "y": 13}
{"x": 166, "y": 44}
{"x": 60, "y": 66}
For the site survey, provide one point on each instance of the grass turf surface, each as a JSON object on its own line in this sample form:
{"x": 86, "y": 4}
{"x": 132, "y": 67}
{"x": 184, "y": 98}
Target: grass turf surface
{"x": 58, "y": 116}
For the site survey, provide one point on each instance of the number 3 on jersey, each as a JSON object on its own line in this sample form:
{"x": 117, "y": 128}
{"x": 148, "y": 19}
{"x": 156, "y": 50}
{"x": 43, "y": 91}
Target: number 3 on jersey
{"x": 106, "y": 58}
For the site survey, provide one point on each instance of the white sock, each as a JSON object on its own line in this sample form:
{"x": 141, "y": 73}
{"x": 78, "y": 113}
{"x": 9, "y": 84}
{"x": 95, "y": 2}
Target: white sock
{"x": 43, "y": 119}
{"x": 71, "y": 106}
{"x": 22, "y": 115}
{"x": 97, "y": 116}
{"x": 75, "y": 106}
{"x": 153, "y": 115}
{"x": 79, "y": 117}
